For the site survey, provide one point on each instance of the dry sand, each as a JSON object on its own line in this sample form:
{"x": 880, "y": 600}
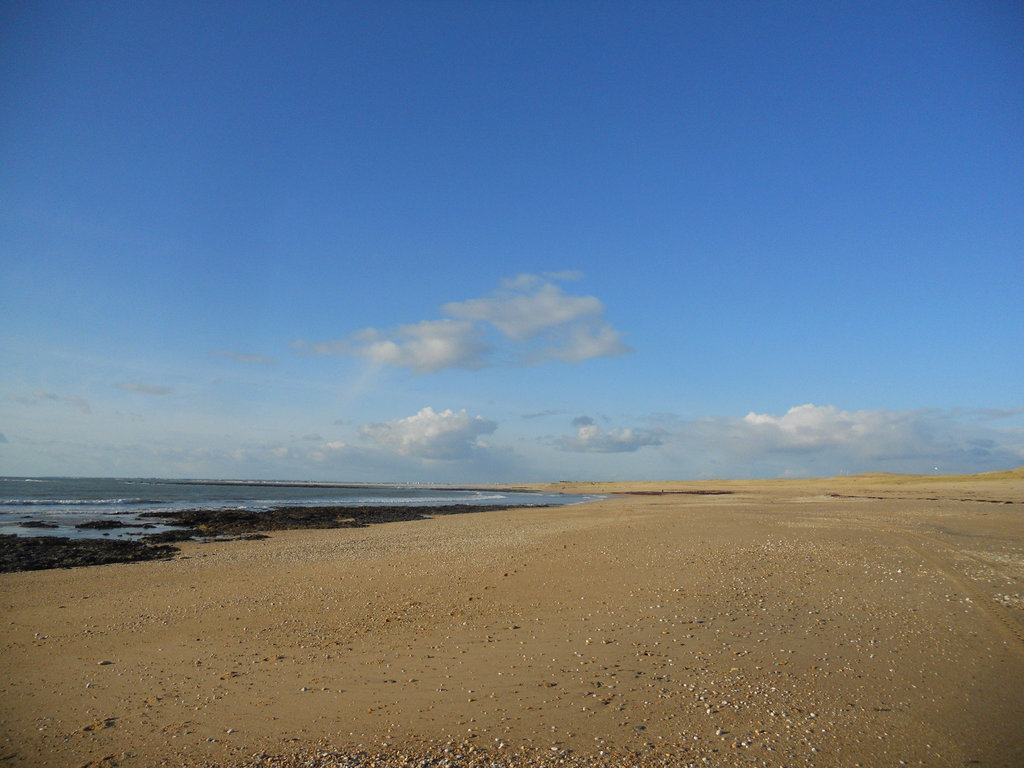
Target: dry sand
{"x": 872, "y": 621}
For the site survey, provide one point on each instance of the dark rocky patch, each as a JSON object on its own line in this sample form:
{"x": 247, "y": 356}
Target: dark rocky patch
{"x": 169, "y": 537}
{"x": 37, "y": 524}
{"x": 35, "y": 553}
{"x": 232, "y": 522}
{"x": 19, "y": 553}
{"x": 107, "y": 525}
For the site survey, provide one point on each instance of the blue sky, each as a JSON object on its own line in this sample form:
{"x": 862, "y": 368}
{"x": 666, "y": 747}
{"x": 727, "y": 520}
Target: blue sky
{"x": 470, "y": 241}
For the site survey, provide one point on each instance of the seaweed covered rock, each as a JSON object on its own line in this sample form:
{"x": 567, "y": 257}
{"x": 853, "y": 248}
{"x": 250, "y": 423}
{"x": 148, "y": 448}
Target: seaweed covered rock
{"x": 34, "y": 553}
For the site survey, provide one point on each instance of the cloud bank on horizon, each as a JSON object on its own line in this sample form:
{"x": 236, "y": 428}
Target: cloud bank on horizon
{"x": 453, "y": 446}
{"x": 528, "y": 321}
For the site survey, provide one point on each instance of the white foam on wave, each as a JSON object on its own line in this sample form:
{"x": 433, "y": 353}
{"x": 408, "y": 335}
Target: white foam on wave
{"x": 75, "y": 502}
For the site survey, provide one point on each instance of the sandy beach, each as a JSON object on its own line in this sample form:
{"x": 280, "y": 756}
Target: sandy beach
{"x": 861, "y": 621}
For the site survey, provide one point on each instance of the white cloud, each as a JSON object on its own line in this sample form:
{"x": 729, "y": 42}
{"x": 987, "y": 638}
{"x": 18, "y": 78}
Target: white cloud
{"x": 812, "y": 427}
{"x": 431, "y": 435}
{"x": 426, "y": 347}
{"x": 584, "y": 342}
{"x": 534, "y": 319}
{"x": 590, "y": 438}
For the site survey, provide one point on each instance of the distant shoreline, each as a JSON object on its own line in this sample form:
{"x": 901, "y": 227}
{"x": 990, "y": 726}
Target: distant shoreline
{"x": 54, "y": 551}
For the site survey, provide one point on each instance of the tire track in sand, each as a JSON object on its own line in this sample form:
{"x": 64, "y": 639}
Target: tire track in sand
{"x": 917, "y": 543}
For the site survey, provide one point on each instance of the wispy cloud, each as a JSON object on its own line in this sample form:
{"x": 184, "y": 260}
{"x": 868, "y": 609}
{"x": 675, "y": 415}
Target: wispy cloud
{"x": 534, "y": 321}
{"x": 38, "y": 397}
{"x": 989, "y": 414}
{"x": 527, "y": 309}
{"x": 146, "y": 389}
{"x": 79, "y": 403}
{"x": 565, "y": 275}
{"x": 542, "y": 414}
{"x": 431, "y": 435}
{"x": 328, "y": 451}
{"x": 590, "y": 438}
{"x": 534, "y": 310}
{"x": 248, "y": 359}
{"x": 34, "y": 399}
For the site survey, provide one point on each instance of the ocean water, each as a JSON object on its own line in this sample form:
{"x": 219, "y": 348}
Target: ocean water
{"x": 53, "y": 506}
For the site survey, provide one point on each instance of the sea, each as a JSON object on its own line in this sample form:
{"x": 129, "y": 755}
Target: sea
{"x": 54, "y": 506}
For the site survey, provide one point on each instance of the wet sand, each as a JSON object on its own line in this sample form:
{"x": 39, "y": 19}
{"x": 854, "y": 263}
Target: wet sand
{"x": 874, "y": 620}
